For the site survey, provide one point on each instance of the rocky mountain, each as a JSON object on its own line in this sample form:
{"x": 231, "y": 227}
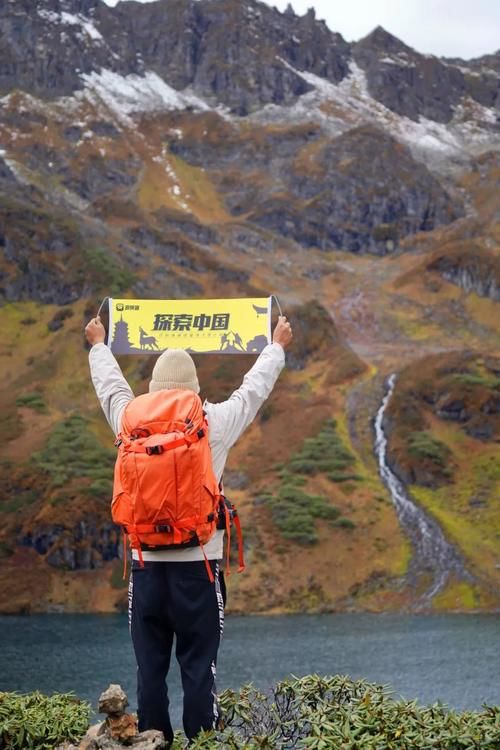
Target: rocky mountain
{"x": 188, "y": 148}
{"x": 241, "y": 55}
{"x": 418, "y": 85}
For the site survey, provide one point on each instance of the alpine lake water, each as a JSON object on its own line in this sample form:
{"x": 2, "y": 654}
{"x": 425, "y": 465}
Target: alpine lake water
{"x": 454, "y": 659}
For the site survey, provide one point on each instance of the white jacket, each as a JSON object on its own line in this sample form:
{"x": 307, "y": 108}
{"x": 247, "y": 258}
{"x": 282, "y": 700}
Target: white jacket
{"x": 226, "y": 421}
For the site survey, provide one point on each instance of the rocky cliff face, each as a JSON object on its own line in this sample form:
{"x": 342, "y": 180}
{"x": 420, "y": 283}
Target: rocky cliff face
{"x": 348, "y": 208}
{"x": 460, "y": 388}
{"x": 46, "y": 47}
{"x": 241, "y": 55}
{"x": 180, "y": 40}
{"x": 471, "y": 268}
{"x": 421, "y": 85}
{"x": 232, "y": 52}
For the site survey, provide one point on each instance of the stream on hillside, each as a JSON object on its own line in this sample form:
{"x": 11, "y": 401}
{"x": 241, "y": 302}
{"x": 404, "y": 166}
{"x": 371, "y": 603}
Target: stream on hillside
{"x": 432, "y": 553}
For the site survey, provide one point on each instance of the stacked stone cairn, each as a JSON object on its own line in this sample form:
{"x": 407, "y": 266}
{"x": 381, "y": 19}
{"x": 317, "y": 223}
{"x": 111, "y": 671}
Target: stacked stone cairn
{"x": 119, "y": 729}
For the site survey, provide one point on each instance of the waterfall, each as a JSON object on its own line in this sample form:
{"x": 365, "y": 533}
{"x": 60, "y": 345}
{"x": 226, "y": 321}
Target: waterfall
{"x": 432, "y": 554}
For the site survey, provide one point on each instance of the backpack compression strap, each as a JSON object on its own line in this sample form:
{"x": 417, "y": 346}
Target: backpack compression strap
{"x": 231, "y": 515}
{"x": 147, "y": 528}
{"x": 189, "y": 524}
{"x": 157, "y": 444}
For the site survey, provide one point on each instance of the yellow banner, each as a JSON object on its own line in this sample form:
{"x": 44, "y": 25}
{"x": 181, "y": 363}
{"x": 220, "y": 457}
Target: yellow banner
{"x": 222, "y": 326}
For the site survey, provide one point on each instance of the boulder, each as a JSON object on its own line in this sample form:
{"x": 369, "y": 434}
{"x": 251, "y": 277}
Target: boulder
{"x": 122, "y": 728}
{"x": 152, "y": 739}
{"x": 113, "y": 701}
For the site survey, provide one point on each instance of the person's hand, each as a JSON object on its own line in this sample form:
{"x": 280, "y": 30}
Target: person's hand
{"x": 95, "y": 332}
{"x": 282, "y": 334}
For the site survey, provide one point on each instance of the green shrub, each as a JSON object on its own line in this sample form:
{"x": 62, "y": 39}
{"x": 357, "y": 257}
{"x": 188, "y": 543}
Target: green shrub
{"x": 423, "y": 445}
{"x": 32, "y": 401}
{"x": 99, "y": 487}
{"x": 73, "y": 451}
{"x": 38, "y": 722}
{"x": 337, "y": 713}
{"x": 105, "y": 271}
{"x": 476, "y": 379}
{"x": 293, "y": 510}
{"x": 323, "y": 454}
{"x": 345, "y": 523}
{"x": 292, "y": 480}
{"x": 18, "y": 502}
{"x": 335, "y": 477}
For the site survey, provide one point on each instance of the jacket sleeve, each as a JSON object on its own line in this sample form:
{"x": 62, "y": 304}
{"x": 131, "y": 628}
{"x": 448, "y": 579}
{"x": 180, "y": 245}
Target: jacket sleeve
{"x": 113, "y": 391}
{"x": 229, "y": 419}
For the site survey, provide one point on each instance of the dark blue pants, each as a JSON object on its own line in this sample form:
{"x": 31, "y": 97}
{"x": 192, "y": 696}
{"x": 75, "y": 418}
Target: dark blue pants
{"x": 176, "y": 599}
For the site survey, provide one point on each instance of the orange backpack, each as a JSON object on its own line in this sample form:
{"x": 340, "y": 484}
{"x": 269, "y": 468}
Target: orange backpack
{"x": 165, "y": 493}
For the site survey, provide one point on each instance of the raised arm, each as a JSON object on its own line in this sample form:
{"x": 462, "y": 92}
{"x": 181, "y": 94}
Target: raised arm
{"x": 230, "y": 418}
{"x": 113, "y": 391}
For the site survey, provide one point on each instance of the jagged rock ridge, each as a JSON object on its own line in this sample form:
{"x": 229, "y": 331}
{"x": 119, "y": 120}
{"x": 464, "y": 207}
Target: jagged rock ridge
{"x": 413, "y": 84}
{"x": 242, "y": 55}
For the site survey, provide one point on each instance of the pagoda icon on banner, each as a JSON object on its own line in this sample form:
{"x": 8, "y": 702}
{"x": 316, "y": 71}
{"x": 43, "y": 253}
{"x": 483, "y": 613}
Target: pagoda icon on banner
{"x": 121, "y": 341}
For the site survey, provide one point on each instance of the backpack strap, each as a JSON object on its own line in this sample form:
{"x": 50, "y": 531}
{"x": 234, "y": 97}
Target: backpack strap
{"x": 125, "y": 555}
{"x": 230, "y": 514}
{"x": 187, "y": 524}
{"x": 147, "y": 527}
{"x": 158, "y": 444}
{"x": 167, "y": 527}
{"x": 207, "y": 564}
{"x": 227, "y": 518}
{"x": 239, "y": 534}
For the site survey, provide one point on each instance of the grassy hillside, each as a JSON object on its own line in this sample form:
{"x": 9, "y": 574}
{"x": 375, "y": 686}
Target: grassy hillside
{"x": 163, "y": 210}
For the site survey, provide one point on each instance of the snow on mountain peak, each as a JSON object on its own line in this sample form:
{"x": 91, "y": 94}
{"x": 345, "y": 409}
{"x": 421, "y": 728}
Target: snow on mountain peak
{"x": 70, "y": 19}
{"x": 341, "y": 106}
{"x": 125, "y": 95}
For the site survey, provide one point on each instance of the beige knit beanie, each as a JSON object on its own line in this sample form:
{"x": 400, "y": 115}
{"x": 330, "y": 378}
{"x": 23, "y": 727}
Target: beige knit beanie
{"x": 174, "y": 369}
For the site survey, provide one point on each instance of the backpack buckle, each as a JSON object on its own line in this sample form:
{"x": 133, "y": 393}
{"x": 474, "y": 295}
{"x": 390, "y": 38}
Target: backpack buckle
{"x": 154, "y": 450}
{"x": 139, "y": 432}
{"x": 163, "y": 528}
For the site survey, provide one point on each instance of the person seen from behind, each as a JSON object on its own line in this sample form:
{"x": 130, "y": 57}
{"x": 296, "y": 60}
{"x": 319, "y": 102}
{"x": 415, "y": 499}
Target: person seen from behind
{"x": 170, "y": 593}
